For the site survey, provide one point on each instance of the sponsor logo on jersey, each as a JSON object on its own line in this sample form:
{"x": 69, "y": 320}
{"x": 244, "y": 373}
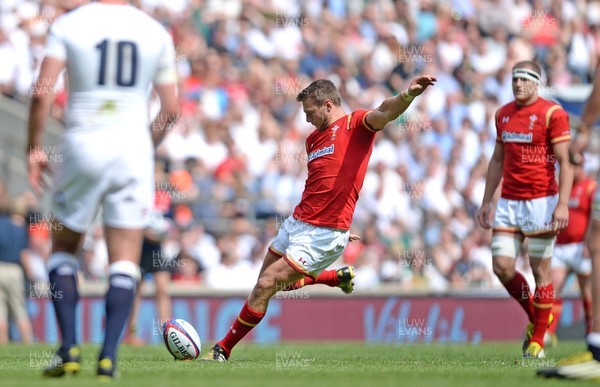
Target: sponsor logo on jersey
{"x": 505, "y": 120}
{"x": 517, "y": 137}
{"x": 320, "y": 152}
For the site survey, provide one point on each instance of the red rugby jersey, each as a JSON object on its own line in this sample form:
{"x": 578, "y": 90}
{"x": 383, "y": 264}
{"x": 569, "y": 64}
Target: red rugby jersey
{"x": 528, "y": 134}
{"x": 337, "y": 163}
{"x": 580, "y": 207}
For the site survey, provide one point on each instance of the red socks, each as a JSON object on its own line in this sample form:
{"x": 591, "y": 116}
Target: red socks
{"x": 556, "y": 312}
{"x": 327, "y": 277}
{"x": 247, "y": 319}
{"x": 587, "y": 310}
{"x": 542, "y": 305}
{"x": 519, "y": 290}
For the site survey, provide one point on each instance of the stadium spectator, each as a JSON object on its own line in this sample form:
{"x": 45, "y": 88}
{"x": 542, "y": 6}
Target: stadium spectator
{"x": 13, "y": 249}
{"x": 265, "y": 123}
{"x": 467, "y": 272}
{"x": 232, "y": 272}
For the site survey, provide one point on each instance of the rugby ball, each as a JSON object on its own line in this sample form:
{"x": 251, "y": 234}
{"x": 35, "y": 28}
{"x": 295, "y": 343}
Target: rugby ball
{"x": 181, "y": 339}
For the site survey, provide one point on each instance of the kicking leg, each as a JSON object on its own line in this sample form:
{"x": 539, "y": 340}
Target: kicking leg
{"x": 342, "y": 277}
{"x": 272, "y": 278}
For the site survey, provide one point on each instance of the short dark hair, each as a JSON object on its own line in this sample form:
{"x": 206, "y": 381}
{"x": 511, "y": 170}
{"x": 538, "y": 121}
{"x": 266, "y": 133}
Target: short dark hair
{"x": 529, "y": 64}
{"x": 320, "y": 91}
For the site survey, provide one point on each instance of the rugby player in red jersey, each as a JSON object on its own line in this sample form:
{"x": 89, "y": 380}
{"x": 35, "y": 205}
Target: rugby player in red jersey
{"x": 316, "y": 234}
{"x": 569, "y": 252}
{"x": 586, "y": 365}
{"x": 532, "y": 135}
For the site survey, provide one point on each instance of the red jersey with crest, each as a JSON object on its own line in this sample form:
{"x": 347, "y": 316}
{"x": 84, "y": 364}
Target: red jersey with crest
{"x": 337, "y": 163}
{"x": 580, "y": 207}
{"x": 528, "y": 134}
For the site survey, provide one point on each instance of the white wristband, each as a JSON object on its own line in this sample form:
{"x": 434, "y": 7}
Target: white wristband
{"x": 407, "y": 97}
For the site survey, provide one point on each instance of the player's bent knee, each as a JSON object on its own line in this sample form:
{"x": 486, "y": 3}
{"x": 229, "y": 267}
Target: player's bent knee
{"x": 264, "y": 284}
{"x": 505, "y": 246}
{"x": 504, "y": 274}
{"x": 504, "y": 267}
{"x": 541, "y": 247}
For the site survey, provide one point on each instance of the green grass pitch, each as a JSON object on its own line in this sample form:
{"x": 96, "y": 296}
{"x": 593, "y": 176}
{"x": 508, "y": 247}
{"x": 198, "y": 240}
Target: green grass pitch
{"x": 302, "y": 364}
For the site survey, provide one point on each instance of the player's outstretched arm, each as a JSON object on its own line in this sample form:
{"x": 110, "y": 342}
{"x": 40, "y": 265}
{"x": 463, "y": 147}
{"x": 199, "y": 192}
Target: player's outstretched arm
{"x": 492, "y": 181}
{"x": 392, "y": 107}
{"x": 41, "y": 101}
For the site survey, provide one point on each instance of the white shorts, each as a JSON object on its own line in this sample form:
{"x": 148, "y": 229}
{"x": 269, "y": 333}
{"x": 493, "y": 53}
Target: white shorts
{"x": 570, "y": 256}
{"x": 309, "y": 249}
{"x": 96, "y": 172}
{"x": 530, "y": 217}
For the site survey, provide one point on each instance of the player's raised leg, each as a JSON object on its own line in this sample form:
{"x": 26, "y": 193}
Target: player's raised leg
{"x": 62, "y": 270}
{"x": 342, "y": 278}
{"x": 277, "y": 273}
{"x": 124, "y": 249}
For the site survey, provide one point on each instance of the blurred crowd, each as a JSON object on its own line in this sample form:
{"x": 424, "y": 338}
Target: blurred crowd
{"x": 233, "y": 167}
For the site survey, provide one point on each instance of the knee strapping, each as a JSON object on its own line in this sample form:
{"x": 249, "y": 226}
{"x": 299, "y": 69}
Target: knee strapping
{"x": 505, "y": 246}
{"x": 65, "y": 263}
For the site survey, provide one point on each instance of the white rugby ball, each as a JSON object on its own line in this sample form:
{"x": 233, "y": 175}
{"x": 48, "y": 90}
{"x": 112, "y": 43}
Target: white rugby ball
{"x": 181, "y": 339}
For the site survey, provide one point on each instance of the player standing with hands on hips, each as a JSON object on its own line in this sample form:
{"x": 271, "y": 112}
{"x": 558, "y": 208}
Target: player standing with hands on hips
{"x": 113, "y": 53}
{"x": 532, "y": 135}
{"x": 318, "y": 231}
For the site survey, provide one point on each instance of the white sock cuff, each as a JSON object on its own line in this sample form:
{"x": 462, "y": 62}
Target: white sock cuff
{"x": 593, "y": 338}
{"x": 68, "y": 262}
{"x": 127, "y": 268}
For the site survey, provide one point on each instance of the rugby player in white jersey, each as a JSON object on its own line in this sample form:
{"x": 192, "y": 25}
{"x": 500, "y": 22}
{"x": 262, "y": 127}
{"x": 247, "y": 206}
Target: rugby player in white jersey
{"x": 113, "y": 55}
